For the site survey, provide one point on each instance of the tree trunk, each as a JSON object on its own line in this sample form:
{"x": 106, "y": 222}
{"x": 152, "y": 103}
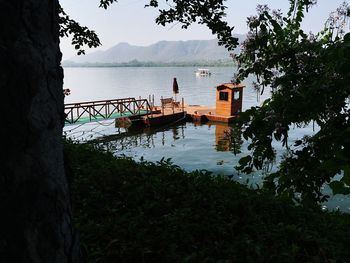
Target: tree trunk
{"x": 35, "y": 213}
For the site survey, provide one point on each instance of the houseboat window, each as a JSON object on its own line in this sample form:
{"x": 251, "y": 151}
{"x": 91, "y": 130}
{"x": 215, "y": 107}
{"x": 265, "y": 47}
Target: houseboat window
{"x": 223, "y": 96}
{"x": 236, "y": 95}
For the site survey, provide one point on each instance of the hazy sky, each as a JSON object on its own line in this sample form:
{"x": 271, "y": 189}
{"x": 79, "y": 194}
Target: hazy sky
{"x": 128, "y": 21}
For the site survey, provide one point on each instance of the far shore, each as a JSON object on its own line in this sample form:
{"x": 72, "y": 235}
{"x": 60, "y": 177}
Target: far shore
{"x": 221, "y": 63}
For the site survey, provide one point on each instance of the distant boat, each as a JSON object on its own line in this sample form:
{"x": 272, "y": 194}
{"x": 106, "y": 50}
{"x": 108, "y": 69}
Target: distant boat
{"x": 203, "y": 72}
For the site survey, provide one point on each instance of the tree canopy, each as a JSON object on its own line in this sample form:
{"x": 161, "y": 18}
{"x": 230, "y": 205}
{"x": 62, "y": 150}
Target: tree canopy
{"x": 208, "y": 12}
{"x": 309, "y": 79}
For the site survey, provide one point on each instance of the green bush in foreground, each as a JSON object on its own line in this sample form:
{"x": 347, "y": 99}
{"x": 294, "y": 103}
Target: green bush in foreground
{"x": 155, "y": 212}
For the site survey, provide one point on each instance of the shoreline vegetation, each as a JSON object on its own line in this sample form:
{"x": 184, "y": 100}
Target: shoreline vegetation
{"x": 136, "y": 63}
{"x": 128, "y": 211}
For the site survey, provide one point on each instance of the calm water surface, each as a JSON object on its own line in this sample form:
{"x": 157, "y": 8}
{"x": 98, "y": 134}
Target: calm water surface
{"x": 212, "y": 146}
{"x": 88, "y": 84}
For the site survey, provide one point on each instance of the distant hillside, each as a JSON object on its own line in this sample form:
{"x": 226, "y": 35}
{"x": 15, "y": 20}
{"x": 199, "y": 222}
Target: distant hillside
{"x": 163, "y": 52}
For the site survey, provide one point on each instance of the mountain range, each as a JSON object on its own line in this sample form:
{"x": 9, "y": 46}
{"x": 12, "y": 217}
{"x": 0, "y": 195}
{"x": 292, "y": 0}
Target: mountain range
{"x": 160, "y": 52}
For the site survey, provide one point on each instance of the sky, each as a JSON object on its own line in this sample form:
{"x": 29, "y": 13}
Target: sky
{"x": 128, "y": 21}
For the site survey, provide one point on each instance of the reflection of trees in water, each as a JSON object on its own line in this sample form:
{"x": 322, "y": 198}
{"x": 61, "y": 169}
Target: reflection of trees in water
{"x": 144, "y": 138}
{"x": 228, "y": 138}
{"x": 126, "y": 141}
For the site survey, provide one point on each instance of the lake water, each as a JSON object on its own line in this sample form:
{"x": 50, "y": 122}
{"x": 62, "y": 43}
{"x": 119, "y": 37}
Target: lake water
{"x": 88, "y": 84}
{"x": 212, "y": 146}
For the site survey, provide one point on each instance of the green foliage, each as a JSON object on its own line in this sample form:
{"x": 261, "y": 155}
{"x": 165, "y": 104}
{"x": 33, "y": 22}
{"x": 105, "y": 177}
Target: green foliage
{"x": 81, "y": 35}
{"x": 207, "y": 12}
{"x": 155, "y": 212}
{"x": 309, "y": 77}
{"x": 106, "y": 3}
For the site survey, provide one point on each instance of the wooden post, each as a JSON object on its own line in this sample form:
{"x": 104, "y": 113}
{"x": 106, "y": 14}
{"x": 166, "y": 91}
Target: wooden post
{"x": 153, "y": 100}
{"x": 173, "y": 104}
{"x": 161, "y": 102}
{"x": 183, "y": 104}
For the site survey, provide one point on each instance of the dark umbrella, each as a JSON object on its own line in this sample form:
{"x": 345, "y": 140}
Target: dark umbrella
{"x": 175, "y": 87}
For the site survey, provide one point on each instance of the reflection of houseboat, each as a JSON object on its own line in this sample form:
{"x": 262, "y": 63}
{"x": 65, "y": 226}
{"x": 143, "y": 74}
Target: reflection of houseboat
{"x": 203, "y": 72}
{"x": 228, "y": 138}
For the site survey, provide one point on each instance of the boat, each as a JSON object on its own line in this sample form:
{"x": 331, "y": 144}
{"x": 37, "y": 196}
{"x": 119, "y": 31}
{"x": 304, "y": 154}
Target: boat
{"x": 203, "y": 72}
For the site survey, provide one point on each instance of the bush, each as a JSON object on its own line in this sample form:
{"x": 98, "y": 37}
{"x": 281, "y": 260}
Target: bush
{"x": 155, "y": 212}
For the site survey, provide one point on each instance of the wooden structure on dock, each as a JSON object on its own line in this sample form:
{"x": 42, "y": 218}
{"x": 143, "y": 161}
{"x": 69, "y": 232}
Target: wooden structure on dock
{"x": 82, "y": 112}
{"x": 171, "y": 111}
{"x": 229, "y": 99}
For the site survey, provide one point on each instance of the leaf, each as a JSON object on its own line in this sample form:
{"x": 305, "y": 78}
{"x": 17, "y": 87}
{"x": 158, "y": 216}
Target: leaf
{"x": 298, "y": 143}
{"x": 346, "y": 176}
{"x": 347, "y": 37}
{"x": 339, "y": 188}
{"x": 245, "y": 160}
{"x": 277, "y": 136}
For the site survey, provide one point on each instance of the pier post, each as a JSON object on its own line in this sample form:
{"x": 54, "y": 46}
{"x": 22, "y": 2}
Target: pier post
{"x": 162, "y": 105}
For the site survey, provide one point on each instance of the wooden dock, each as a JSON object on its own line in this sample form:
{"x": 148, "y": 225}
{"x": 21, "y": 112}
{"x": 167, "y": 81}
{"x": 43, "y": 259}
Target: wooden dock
{"x": 198, "y": 113}
{"x": 165, "y": 114}
{"x": 194, "y": 113}
{"x": 132, "y": 112}
{"x": 136, "y": 112}
{"x": 163, "y": 119}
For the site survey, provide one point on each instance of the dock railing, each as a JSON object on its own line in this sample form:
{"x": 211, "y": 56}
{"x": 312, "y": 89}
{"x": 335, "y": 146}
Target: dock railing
{"x": 171, "y": 103}
{"x": 106, "y": 109}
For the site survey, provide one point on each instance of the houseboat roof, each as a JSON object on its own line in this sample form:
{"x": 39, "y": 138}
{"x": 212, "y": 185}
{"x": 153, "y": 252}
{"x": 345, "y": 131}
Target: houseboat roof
{"x": 230, "y": 86}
